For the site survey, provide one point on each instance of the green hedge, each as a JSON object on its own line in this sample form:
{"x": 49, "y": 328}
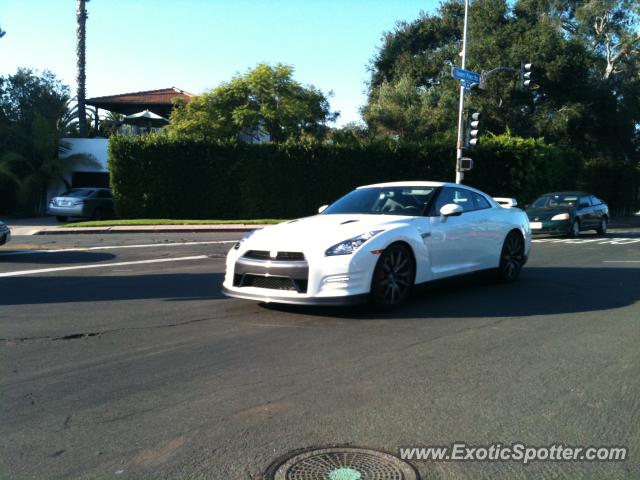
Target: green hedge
{"x": 158, "y": 177}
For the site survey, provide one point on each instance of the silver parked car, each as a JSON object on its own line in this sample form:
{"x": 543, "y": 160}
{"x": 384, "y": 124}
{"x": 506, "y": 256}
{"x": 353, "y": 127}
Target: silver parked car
{"x": 96, "y": 203}
{"x": 5, "y": 233}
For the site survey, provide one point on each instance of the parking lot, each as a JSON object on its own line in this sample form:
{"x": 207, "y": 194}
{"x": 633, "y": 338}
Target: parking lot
{"x": 121, "y": 359}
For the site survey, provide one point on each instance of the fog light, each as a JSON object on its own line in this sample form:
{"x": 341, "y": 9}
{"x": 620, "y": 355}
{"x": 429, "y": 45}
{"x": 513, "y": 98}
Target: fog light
{"x": 337, "y": 279}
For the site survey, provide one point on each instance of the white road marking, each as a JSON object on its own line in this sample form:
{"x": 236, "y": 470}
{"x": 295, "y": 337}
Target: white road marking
{"x": 113, "y": 247}
{"x": 100, "y": 265}
{"x": 621, "y": 261}
{"x": 581, "y": 241}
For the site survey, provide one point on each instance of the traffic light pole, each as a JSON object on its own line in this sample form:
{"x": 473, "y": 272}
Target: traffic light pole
{"x": 459, "y": 172}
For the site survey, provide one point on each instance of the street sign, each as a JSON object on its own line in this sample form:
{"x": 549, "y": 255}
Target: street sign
{"x": 465, "y": 75}
{"x": 465, "y": 164}
{"x": 467, "y": 85}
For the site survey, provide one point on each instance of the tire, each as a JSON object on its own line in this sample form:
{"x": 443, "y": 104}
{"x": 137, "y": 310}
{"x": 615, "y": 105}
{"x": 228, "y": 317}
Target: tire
{"x": 61, "y": 218}
{"x": 393, "y": 277}
{"x": 97, "y": 214}
{"x": 602, "y": 229}
{"x": 512, "y": 258}
{"x": 574, "y": 230}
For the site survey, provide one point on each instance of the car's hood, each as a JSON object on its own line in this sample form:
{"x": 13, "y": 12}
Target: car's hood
{"x": 320, "y": 231}
{"x": 546, "y": 213}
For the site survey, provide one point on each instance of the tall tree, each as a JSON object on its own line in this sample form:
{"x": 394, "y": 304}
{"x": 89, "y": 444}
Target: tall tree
{"x": 81, "y": 47}
{"x": 34, "y": 119}
{"x": 586, "y": 57}
{"x": 265, "y": 99}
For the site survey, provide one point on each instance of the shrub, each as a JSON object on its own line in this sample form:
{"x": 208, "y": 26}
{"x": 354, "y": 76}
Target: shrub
{"x": 156, "y": 176}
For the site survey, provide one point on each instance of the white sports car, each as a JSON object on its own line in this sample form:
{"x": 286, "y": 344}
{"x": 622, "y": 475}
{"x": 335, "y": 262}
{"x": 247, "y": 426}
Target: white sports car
{"x": 376, "y": 242}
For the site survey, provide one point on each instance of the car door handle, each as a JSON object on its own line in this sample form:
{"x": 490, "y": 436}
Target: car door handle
{"x": 425, "y": 235}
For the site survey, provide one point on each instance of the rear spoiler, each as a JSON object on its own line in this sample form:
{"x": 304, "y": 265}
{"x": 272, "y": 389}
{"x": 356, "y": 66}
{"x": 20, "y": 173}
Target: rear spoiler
{"x": 506, "y": 202}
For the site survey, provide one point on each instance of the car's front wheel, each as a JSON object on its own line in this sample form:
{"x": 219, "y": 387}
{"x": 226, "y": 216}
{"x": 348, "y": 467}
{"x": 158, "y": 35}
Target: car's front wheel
{"x": 574, "y": 229}
{"x": 511, "y": 258}
{"x": 393, "y": 277}
{"x": 602, "y": 229}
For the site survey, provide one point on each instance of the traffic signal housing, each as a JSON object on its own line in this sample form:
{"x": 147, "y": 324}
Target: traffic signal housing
{"x": 473, "y": 129}
{"x": 526, "y": 77}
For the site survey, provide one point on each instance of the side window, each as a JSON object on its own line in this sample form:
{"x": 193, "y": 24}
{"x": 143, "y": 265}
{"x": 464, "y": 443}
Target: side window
{"x": 446, "y": 196}
{"x": 464, "y": 198}
{"x": 585, "y": 200}
{"x": 481, "y": 202}
{"x": 595, "y": 200}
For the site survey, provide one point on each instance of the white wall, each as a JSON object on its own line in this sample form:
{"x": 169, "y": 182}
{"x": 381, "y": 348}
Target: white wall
{"x": 95, "y": 148}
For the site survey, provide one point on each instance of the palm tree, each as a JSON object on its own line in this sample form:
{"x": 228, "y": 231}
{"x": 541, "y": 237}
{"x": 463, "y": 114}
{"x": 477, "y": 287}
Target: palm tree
{"x": 81, "y": 46}
{"x": 39, "y": 156}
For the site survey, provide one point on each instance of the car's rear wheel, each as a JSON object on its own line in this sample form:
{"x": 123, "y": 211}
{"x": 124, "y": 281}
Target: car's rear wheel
{"x": 574, "y": 230}
{"x": 511, "y": 258}
{"x": 602, "y": 229}
{"x": 97, "y": 214}
{"x": 61, "y": 218}
{"x": 393, "y": 277}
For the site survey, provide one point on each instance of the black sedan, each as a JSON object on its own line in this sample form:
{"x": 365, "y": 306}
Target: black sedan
{"x": 568, "y": 213}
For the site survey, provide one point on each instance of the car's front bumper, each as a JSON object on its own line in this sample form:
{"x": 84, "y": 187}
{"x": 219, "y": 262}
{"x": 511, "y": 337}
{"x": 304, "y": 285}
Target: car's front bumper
{"x": 296, "y": 300}
{"x": 70, "y": 211}
{"x": 550, "y": 227}
{"x": 314, "y": 280}
{"x": 5, "y": 236}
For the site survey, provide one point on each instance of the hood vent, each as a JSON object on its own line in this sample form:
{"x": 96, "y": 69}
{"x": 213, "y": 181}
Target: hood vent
{"x": 349, "y": 221}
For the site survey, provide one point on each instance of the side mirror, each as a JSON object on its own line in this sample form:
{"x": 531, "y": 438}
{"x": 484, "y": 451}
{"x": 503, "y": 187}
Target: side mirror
{"x": 451, "y": 210}
{"x": 584, "y": 205}
{"x": 322, "y": 208}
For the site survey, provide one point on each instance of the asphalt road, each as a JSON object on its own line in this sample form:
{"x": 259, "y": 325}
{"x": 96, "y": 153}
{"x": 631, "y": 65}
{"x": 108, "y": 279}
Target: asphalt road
{"x": 144, "y": 370}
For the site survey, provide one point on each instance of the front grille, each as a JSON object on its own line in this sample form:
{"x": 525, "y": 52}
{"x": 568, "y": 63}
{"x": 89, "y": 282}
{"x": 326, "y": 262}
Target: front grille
{"x": 270, "y": 282}
{"x": 266, "y": 255}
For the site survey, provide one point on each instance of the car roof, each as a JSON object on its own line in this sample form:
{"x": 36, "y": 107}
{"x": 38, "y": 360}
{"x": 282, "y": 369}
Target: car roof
{"x": 416, "y": 183}
{"x": 568, "y": 192}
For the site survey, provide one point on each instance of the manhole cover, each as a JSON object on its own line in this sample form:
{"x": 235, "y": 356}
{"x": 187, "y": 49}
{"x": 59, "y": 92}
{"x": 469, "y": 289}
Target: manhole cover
{"x": 342, "y": 464}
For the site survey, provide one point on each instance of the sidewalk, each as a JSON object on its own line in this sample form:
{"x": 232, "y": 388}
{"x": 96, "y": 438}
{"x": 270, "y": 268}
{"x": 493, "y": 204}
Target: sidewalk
{"x": 50, "y": 226}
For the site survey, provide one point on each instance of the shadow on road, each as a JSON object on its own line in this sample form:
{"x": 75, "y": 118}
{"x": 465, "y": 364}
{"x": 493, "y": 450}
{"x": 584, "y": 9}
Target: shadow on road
{"x": 539, "y": 291}
{"x": 56, "y": 258}
{"x": 30, "y": 290}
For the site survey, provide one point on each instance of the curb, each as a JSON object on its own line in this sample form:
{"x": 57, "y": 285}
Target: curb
{"x": 91, "y": 230}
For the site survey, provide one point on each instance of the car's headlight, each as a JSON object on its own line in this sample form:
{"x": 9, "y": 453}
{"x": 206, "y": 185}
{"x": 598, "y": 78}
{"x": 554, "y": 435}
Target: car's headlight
{"x": 351, "y": 245}
{"x": 244, "y": 239}
{"x": 561, "y": 216}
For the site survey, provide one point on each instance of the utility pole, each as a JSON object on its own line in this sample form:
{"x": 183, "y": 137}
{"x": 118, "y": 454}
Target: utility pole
{"x": 459, "y": 173}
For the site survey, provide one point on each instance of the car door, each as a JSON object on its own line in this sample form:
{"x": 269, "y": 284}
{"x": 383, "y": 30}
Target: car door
{"x": 455, "y": 240}
{"x": 598, "y": 209}
{"x": 586, "y": 212}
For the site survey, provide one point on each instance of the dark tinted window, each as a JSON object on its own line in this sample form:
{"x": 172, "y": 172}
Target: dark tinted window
{"x": 458, "y": 196}
{"x": 481, "y": 202}
{"x": 383, "y": 201}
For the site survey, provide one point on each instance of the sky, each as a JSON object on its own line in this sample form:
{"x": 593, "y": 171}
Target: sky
{"x": 195, "y": 45}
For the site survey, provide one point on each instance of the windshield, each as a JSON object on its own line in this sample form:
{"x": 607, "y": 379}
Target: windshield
{"x": 556, "y": 201}
{"x": 78, "y": 192}
{"x": 409, "y": 201}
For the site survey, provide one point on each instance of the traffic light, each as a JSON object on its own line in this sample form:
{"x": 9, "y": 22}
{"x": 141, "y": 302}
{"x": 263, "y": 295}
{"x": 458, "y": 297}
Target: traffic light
{"x": 526, "y": 76}
{"x": 473, "y": 129}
